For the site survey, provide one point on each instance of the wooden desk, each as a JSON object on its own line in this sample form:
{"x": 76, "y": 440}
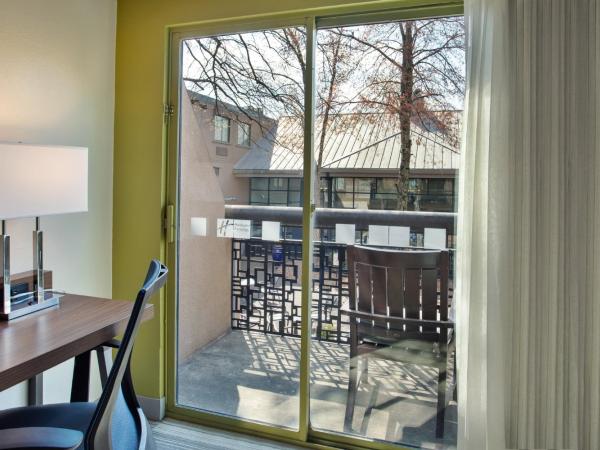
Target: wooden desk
{"x": 31, "y": 344}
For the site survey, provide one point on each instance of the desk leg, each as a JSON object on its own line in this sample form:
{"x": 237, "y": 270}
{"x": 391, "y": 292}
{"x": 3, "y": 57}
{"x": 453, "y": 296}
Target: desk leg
{"x": 80, "y": 387}
{"x": 35, "y": 390}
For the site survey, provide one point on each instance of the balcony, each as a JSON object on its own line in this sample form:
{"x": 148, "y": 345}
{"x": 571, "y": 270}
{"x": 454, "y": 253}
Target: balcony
{"x": 253, "y": 371}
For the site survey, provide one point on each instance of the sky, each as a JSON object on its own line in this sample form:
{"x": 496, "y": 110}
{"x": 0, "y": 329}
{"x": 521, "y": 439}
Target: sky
{"x": 279, "y": 70}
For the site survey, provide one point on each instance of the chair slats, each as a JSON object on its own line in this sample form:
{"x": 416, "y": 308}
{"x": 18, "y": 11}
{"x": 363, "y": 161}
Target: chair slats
{"x": 411, "y": 295}
{"x": 379, "y": 289}
{"x": 364, "y": 288}
{"x": 444, "y": 270}
{"x": 429, "y": 290}
{"x": 409, "y": 284}
{"x": 429, "y": 296}
{"x": 395, "y": 292}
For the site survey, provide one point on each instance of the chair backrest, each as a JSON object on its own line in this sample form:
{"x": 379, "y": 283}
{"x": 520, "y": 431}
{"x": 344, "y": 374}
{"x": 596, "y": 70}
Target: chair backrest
{"x": 399, "y": 283}
{"x": 99, "y": 436}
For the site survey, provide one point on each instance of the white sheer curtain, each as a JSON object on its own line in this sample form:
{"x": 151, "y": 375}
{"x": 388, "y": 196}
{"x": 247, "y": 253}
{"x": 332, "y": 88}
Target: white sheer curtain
{"x": 528, "y": 290}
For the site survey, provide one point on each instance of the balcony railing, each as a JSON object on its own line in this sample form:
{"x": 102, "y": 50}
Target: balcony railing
{"x": 266, "y": 275}
{"x": 266, "y": 288}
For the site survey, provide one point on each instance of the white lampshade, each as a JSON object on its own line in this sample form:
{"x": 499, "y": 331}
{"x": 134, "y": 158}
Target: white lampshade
{"x": 39, "y": 180}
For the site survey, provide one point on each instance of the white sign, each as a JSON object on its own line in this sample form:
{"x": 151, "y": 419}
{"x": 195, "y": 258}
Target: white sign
{"x": 378, "y": 235}
{"x": 225, "y": 227}
{"x": 392, "y": 236}
{"x": 198, "y": 226}
{"x": 345, "y": 233}
{"x": 400, "y": 236}
{"x": 241, "y": 229}
{"x": 234, "y": 228}
{"x": 271, "y": 231}
{"x": 434, "y": 238}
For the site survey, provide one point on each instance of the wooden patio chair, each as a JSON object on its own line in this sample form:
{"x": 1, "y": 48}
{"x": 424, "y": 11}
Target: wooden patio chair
{"x": 398, "y": 311}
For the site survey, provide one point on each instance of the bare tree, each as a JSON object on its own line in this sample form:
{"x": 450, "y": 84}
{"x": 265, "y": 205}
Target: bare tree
{"x": 411, "y": 70}
{"x": 415, "y": 72}
{"x": 261, "y": 75}
{"x": 248, "y": 72}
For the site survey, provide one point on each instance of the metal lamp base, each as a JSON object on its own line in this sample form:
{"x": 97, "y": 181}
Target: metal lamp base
{"x": 31, "y": 307}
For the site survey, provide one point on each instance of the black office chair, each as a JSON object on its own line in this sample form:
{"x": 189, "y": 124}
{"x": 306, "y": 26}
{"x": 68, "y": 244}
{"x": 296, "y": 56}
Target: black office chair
{"x": 115, "y": 422}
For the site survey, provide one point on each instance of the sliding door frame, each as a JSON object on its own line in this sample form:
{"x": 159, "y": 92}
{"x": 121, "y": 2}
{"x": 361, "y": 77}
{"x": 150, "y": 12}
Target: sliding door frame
{"x": 376, "y": 11}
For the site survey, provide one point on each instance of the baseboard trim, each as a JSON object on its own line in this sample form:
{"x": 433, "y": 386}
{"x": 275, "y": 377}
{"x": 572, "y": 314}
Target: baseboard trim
{"x": 154, "y": 408}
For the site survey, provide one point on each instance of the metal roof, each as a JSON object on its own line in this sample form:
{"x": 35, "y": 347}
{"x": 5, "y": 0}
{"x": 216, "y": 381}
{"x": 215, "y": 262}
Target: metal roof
{"x": 365, "y": 142}
{"x": 254, "y": 113}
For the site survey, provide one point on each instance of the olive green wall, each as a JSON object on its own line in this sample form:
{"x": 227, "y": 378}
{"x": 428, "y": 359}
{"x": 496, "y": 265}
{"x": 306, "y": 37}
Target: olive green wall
{"x": 139, "y": 159}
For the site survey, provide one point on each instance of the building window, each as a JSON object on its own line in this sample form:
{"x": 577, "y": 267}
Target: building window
{"x": 216, "y": 169}
{"x": 295, "y": 192}
{"x": 276, "y": 191}
{"x": 243, "y": 136}
{"x": 222, "y": 129}
{"x": 424, "y": 194}
{"x": 343, "y": 193}
{"x": 431, "y": 194}
{"x": 259, "y": 191}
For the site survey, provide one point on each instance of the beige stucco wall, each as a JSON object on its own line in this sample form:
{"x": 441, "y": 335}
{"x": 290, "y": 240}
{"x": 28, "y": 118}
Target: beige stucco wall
{"x": 235, "y": 189}
{"x": 57, "y": 81}
{"x": 204, "y": 262}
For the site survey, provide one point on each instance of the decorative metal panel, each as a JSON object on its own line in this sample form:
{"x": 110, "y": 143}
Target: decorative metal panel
{"x": 266, "y": 288}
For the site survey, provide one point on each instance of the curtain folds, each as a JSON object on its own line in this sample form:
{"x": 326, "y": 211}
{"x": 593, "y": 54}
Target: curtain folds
{"x": 528, "y": 286}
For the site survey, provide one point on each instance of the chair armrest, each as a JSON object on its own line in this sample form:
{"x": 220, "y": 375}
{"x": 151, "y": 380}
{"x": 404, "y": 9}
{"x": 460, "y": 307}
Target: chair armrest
{"x": 394, "y": 319}
{"x": 40, "y": 438}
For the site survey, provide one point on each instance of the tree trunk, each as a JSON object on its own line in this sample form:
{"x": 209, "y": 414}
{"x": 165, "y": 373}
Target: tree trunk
{"x": 325, "y": 119}
{"x": 320, "y": 149}
{"x": 406, "y": 112}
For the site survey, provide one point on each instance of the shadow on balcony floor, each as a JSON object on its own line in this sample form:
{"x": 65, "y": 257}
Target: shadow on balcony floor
{"x": 255, "y": 376}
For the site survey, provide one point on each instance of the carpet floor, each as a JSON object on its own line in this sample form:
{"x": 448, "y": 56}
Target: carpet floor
{"x": 175, "y": 435}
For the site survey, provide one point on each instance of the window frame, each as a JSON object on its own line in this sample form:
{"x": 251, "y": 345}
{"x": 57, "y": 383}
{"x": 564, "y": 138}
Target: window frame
{"x": 228, "y": 128}
{"x": 420, "y": 188}
{"x": 270, "y": 189}
{"x": 247, "y": 134}
{"x": 313, "y": 19}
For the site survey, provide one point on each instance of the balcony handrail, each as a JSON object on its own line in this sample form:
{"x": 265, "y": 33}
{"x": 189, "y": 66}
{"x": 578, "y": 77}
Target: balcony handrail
{"x": 329, "y": 217}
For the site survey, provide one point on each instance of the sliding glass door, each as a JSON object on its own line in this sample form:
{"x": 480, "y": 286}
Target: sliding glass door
{"x": 387, "y": 127}
{"x": 239, "y": 266}
{"x": 296, "y": 148}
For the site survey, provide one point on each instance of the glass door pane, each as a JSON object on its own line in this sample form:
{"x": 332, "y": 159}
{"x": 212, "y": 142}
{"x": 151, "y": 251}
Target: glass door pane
{"x": 239, "y": 263}
{"x": 387, "y": 146}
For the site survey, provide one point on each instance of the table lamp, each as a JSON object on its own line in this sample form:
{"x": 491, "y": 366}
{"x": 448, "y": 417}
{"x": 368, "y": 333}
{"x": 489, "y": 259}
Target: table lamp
{"x": 37, "y": 180}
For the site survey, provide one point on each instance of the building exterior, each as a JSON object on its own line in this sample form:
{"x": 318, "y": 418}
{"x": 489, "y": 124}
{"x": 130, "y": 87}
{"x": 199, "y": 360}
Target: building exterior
{"x": 228, "y": 133}
{"x": 259, "y": 161}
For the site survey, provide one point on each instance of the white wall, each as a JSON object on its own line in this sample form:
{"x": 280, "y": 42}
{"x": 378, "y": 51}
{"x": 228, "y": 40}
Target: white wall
{"x": 57, "y": 87}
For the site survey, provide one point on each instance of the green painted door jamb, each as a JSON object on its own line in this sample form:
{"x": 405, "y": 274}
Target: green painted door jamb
{"x": 307, "y": 226}
{"x": 305, "y": 435}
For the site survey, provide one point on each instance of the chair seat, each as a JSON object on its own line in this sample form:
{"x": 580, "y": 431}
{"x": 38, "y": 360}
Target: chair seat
{"x": 383, "y": 336}
{"x": 73, "y": 416}
{"x": 413, "y": 352}
{"x": 40, "y": 438}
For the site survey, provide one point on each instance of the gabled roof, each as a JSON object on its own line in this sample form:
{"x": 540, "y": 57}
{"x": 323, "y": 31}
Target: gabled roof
{"x": 254, "y": 113}
{"x": 354, "y": 142}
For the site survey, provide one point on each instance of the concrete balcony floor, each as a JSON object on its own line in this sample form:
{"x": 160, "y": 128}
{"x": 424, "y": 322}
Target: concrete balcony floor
{"x": 255, "y": 376}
